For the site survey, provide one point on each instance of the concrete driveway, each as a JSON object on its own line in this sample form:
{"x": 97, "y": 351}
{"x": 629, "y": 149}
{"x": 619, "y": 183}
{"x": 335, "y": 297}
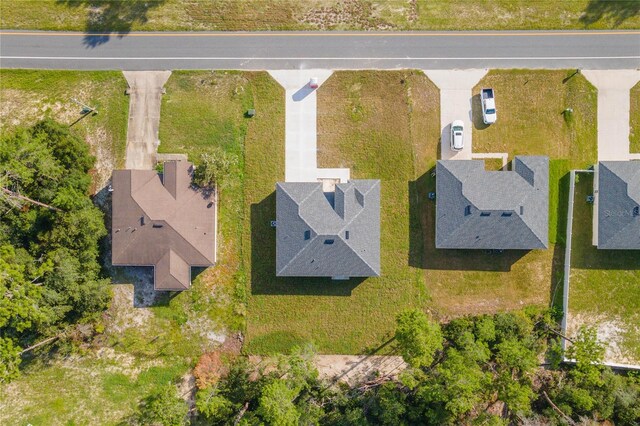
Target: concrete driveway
{"x": 145, "y": 91}
{"x": 301, "y": 147}
{"x": 455, "y": 104}
{"x": 613, "y": 111}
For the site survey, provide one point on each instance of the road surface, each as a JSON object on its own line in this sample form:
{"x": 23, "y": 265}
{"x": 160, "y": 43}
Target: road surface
{"x": 332, "y": 50}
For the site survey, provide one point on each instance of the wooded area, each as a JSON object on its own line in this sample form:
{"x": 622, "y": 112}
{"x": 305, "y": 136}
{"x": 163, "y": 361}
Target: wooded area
{"x": 49, "y": 236}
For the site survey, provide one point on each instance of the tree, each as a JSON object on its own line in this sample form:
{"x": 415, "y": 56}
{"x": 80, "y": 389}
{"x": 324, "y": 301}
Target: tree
{"x": 588, "y": 354}
{"x": 49, "y": 235}
{"x": 214, "y": 168}
{"x": 276, "y": 405}
{"x": 418, "y": 337}
{"x": 164, "y": 407}
{"x": 9, "y": 359}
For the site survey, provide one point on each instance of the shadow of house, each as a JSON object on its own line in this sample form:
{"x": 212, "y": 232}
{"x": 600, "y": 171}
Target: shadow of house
{"x": 617, "y": 11}
{"x": 107, "y": 18}
{"x": 422, "y": 238}
{"x": 263, "y": 261}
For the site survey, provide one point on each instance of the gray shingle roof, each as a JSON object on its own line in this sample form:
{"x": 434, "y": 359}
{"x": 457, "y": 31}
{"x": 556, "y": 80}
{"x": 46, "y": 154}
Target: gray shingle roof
{"x": 618, "y": 196}
{"x": 479, "y": 209}
{"x": 328, "y": 234}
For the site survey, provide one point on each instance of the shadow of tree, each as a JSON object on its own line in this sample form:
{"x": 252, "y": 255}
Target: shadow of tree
{"x": 617, "y": 11}
{"x": 105, "y": 18}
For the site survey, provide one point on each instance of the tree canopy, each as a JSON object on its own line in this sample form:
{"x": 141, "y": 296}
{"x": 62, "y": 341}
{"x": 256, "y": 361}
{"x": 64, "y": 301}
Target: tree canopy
{"x": 49, "y": 235}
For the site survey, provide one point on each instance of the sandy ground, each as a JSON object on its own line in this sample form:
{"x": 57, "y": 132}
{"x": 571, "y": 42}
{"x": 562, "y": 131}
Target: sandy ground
{"x": 145, "y": 89}
{"x": 351, "y": 369}
{"x": 610, "y": 332}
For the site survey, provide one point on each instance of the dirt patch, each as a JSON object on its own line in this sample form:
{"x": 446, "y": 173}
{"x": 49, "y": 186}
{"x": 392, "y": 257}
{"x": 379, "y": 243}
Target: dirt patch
{"x": 204, "y": 327}
{"x": 122, "y": 313}
{"x": 611, "y": 332}
{"x": 353, "y": 14}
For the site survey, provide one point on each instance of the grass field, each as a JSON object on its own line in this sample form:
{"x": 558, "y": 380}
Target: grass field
{"x": 121, "y": 17}
{"x": 634, "y": 117}
{"x": 605, "y": 285}
{"x": 530, "y": 122}
{"x": 27, "y": 96}
{"x": 385, "y": 125}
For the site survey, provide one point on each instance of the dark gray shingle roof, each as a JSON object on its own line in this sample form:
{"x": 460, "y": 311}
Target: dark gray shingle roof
{"x": 618, "y": 196}
{"x": 479, "y": 209}
{"x": 328, "y": 235}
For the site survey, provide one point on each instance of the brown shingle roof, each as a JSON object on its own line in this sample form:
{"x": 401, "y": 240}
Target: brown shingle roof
{"x": 162, "y": 223}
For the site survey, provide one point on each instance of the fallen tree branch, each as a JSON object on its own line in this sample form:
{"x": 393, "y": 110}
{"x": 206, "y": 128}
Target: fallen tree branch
{"x": 560, "y": 334}
{"x": 557, "y": 410}
{"x": 30, "y": 200}
{"x": 244, "y": 409}
{"x": 37, "y": 345}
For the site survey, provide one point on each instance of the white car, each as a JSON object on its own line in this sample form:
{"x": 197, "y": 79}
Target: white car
{"x": 457, "y": 135}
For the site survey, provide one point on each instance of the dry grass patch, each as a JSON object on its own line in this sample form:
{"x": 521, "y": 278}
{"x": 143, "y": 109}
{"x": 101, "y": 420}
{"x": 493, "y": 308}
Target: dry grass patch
{"x": 229, "y": 15}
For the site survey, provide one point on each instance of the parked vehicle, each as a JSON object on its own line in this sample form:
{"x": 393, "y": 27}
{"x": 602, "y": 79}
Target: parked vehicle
{"x": 457, "y": 135}
{"x": 489, "y": 114}
{"x": 313, "y": 83}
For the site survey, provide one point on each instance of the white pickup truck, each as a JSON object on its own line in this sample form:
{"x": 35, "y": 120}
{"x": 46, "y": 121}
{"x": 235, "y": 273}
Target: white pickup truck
{"x": 489, "y": 115}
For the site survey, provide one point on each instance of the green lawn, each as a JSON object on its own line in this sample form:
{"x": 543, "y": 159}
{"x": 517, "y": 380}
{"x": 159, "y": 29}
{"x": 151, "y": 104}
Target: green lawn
{"x": 233, "y": 15}
{"x": 604, "y": 286}
{"x": 634, "y": 118}
{"x": 30, "y": 95}
{"x": 384, "y": 125}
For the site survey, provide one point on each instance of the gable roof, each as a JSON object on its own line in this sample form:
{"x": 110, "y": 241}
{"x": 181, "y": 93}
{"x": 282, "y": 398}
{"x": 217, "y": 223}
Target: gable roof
{"x": 334, "y": 234}
{"x": 618, "y": 196}
{"x": 479, "y": 209}
{"x": 163, "y": 223}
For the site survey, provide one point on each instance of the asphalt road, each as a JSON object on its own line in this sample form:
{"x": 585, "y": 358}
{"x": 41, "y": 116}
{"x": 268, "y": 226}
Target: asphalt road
{"x": 334, "y": 50}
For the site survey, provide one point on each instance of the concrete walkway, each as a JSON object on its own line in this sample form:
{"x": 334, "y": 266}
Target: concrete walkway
{"x": 613, "y": 111}
{"x": 301, "y": 147}
{"x": 145, "y": 90}
{"x": 455, "y": 104}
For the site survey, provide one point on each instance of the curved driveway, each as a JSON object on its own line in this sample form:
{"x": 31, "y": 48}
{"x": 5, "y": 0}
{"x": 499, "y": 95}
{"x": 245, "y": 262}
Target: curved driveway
{"x": 330, "y": 50}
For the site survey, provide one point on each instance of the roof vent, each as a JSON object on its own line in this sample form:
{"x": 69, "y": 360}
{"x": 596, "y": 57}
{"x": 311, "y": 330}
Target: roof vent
{"x": 307, "y": 235}
{"x": 158, "y": 225}
{"x": 485, "y": 214}
{"x": 636, "y": 211}
{"x": 521, "y": 210}
{"x": 328, "y": 242}
{"x": 346, "y": 235}
{"x": 467, "y": 210}
{"x": 507, "y": 214}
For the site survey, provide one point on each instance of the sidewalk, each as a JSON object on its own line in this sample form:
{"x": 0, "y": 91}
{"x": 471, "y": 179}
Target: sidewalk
{"x": 145, "y": 91}
{"x": 613, "y": 111}
{"x": 301, "y": 164}
{"x": 455, "y": 104}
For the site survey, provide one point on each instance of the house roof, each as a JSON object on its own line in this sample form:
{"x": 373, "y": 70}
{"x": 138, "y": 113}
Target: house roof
{"x": 333, "y": 234}
{"x": 162, "y": 222}
{"x": 479, "y": 209}
{"x": 618, "y": 197}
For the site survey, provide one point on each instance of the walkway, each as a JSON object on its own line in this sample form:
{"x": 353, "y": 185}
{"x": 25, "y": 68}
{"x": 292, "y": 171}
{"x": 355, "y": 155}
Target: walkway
{"x": 301, "y": 147}
{"x": 145, "y": 90}
{"x": 613, "y": 111}
{"x": 455, "y": 104}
